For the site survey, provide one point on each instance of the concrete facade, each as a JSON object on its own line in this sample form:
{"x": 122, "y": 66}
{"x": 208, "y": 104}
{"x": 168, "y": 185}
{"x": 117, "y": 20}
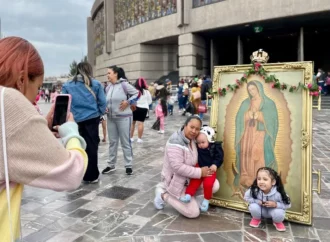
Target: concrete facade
{"x": 151, "y": 49}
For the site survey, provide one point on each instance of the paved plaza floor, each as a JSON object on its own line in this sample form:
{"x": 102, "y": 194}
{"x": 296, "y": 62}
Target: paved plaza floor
{"x": 119, "y": 207}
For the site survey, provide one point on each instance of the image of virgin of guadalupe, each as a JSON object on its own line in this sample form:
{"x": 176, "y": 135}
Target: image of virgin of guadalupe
{"x": 256, "y": 131}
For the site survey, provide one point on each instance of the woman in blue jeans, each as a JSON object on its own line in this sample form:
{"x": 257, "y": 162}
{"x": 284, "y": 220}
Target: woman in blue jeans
{"x": 87, "y": 106}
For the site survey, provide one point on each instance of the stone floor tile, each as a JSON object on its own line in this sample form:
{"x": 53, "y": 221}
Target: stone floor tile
{"x": 96, "y": 235}
{"x": 30, "y": 206}
{"x": 66, "y": 209}
{"x": 84, "y": 238}
{"x": 324, "y": 235}
{"x": 205, "y": 223}
{"x": 148, "y": 211}
{"x": 319, "y": 210}
{"x": 80, "y": 213}
{"x": 40, "y": 236}
{"x": 62, "y": 224}
{"x": 64, "y": 236}
{"x": 297, "y": 239}
{"x": 75, "y": 195}
{"x": 97, "y": 216}
{"x": 80, "y": 227}
{"x": 131, "y": 208}
{"x": 303, "y": 231}
{"x": 255, "y": 234}
{"x": 138, "y": 220}
{"x": 321, "y": 223}
{"x": 117, "y": 192}
{"x": 26, "y": 218}
{"x": 223, "y": 237}
{"x": 183, "y": 238}
{"x": 156, "y": 225}
{"x": 123, "y": 230}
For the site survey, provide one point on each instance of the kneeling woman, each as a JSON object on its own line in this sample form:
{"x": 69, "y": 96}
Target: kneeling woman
{"x": 179, "y": 166}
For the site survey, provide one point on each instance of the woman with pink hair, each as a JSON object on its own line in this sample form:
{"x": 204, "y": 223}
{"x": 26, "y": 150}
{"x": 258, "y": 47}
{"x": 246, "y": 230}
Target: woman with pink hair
{"x": 142, "y": 107}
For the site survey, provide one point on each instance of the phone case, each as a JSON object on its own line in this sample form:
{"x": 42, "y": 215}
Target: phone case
{"x": 69, "y": 103}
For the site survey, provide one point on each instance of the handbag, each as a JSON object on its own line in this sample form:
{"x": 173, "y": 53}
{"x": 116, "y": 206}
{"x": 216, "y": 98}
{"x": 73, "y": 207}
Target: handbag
{"x": 5, "y": 159}
{"x": 156, "y": 125}
{"x": 202, "y": 108}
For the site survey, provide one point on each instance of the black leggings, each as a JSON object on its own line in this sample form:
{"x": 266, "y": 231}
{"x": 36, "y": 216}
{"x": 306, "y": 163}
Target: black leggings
{"x": 89, "y": 130}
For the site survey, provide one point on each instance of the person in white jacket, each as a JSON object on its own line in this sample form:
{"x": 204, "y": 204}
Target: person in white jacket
{"x": 142, "y": 107}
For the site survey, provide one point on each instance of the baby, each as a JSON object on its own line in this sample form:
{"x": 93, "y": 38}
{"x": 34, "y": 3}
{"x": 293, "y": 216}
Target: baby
{"x": 210, "y": 154}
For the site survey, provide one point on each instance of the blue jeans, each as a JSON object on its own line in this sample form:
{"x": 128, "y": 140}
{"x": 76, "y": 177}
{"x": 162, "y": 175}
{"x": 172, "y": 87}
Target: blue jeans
{"x": 201, "y": 115}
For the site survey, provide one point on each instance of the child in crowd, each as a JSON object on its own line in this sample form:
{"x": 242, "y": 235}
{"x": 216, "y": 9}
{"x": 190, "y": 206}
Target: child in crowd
{"x": 210, "y": 154}
{"x": 161, "y": 113}
{"x": 35, "y": 104}
{"x": 267, "y": 198}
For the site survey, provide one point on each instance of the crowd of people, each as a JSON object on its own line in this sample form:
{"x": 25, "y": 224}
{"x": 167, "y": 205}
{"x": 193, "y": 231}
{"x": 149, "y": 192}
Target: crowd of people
{"x": 32, "y": 154}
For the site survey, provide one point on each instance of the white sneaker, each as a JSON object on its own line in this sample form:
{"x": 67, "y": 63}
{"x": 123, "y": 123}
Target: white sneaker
{"x": 132, "y": 139}
{"x": 158, "y": 201}
{"x": 95, "y": 181}
{"x": 161, "y": 131}
{"x": 140, "y": 141}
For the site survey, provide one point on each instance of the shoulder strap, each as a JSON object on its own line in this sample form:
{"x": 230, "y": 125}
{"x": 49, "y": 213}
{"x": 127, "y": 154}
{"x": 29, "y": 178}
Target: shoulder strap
{"x": 90, "y": 90}
{"x": 5, "y": 159}
{"x": 123, "y": 85}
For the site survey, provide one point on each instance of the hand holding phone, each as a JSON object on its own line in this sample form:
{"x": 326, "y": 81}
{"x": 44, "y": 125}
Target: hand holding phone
{"x": 61, "y": 110}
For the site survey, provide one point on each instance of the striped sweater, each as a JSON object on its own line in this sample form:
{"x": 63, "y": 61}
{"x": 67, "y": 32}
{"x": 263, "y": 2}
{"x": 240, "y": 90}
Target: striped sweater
{"x": 35, "y": 157}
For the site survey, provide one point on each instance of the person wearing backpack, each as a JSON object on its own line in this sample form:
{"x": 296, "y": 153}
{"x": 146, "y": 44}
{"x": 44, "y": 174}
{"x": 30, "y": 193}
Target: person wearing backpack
{"x": 120, "y": 96}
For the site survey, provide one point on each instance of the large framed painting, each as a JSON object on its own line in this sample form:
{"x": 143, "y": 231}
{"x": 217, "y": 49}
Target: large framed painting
{"x": 263, "y": 116}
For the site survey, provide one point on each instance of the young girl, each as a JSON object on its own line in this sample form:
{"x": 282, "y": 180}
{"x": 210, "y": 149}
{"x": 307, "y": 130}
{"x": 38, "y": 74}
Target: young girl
{"x": 210, "y": 154}
{"x": 161, "y": 113}
{"x": 267, "y": 198}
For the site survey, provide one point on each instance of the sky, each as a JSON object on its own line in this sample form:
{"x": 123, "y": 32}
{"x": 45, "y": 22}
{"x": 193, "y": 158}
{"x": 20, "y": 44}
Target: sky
{"x": 57, "y": 28}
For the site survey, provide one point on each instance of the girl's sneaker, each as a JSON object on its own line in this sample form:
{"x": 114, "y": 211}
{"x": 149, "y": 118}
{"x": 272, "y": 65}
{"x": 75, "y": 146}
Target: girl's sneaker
{"x": 140, "y": 141}
{"x": 132, "y": 139}
{"x": 279, "y": 226}
{"x": 161, "y": 131}
{"x": 255, "y": 222}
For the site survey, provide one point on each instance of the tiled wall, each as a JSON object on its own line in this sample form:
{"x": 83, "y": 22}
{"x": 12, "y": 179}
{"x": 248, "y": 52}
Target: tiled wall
{"x": 129, "y": 13}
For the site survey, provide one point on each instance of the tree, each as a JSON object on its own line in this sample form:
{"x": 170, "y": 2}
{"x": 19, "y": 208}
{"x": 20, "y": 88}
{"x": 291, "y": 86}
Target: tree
{"x": 73, "y": 68}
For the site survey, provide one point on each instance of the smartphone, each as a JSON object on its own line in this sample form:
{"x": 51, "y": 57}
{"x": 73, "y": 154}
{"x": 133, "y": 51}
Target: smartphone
{"x": 62, "y": 109}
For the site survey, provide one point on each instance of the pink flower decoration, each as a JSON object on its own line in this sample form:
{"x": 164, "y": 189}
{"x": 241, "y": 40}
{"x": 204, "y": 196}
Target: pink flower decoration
{"x": 320, "y": 88}
{"x": 273, "y": 85}
{"x": 245, "y": 76}
{"x": 309, "y": 86}
{"x": 257, "y": 65}
{"x": 227, "y": 88}
{"x": 316, "y": 94}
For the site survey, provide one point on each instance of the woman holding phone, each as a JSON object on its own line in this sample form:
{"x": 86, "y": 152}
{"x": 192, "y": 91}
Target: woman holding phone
{"x": 30, "y": 153}
{"x": 88, "y": 105}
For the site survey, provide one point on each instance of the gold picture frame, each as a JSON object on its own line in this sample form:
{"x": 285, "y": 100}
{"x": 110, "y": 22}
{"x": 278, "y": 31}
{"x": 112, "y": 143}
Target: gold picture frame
{"x": 293, "y": 147}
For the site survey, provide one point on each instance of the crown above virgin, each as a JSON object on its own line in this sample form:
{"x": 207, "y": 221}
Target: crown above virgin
{"x": 259, "y": 56}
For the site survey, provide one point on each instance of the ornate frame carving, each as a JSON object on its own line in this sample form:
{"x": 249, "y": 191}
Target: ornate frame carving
{"x": 305, "y": 214}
